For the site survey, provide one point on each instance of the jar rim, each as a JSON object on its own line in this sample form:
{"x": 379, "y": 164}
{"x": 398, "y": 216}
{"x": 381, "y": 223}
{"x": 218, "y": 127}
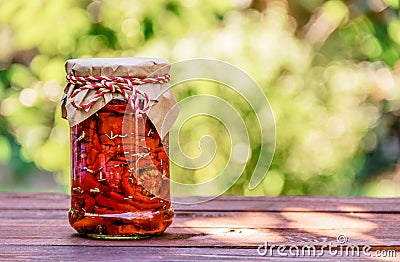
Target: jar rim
{"x": 140, "y": 67}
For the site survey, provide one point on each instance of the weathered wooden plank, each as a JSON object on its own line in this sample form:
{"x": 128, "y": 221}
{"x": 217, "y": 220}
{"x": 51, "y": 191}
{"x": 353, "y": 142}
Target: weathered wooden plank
{"x": 57, "y": 232}
{"x": 202, "y": 238}
{"x": 37, "y": 201}
{"x": 227, "y": 203}
{"x": 79, "y": 253}
{"x": 35, "y": 226}
{"x": 277, "y": 220}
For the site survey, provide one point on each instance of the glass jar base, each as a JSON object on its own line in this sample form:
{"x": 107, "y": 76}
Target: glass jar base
{"x": 130, "y": 225}
{"x": 116, "y": 237}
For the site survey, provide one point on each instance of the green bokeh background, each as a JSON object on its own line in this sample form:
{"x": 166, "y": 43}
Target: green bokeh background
{"x": 329, "y": 69}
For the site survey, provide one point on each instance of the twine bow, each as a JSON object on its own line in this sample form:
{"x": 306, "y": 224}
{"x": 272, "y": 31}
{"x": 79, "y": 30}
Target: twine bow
{"x": 112, "y": 84}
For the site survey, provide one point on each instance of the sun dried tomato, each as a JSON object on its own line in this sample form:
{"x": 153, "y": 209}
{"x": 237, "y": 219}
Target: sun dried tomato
{"x": 120, "y": 175}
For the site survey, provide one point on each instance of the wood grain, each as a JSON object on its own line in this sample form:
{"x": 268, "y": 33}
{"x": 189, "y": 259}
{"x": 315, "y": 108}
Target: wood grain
{"x": 227, "y": 203}
{"x": 35, "y": 227}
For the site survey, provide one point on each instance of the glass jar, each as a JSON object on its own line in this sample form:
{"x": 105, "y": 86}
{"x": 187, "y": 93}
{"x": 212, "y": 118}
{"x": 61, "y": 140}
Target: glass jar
{"x": 119, "y": 171}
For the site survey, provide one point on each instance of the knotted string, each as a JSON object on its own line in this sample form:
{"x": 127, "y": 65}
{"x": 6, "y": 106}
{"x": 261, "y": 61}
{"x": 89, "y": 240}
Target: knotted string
{"x": 113, "y": 84}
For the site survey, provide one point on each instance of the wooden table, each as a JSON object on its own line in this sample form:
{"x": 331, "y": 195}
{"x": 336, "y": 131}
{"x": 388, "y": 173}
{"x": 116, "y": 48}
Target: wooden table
{"x": 35, "y": 227}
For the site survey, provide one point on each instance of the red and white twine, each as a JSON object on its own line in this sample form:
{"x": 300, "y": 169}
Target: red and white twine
{"x": 112, "y": 84}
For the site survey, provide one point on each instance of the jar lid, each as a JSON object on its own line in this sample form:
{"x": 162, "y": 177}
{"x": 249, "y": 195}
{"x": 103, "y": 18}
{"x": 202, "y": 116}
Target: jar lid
{"x": 162, "y": 105}
{"x": 140, "y": 67}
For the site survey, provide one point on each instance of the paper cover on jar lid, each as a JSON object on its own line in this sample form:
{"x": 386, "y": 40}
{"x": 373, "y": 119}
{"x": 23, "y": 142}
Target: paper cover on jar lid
{"x": 162, "y": 101}
{"x": 123, "y": 67}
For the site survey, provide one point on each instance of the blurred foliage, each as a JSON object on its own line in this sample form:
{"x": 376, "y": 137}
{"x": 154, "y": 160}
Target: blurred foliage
{"x": 329, "y": 69}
